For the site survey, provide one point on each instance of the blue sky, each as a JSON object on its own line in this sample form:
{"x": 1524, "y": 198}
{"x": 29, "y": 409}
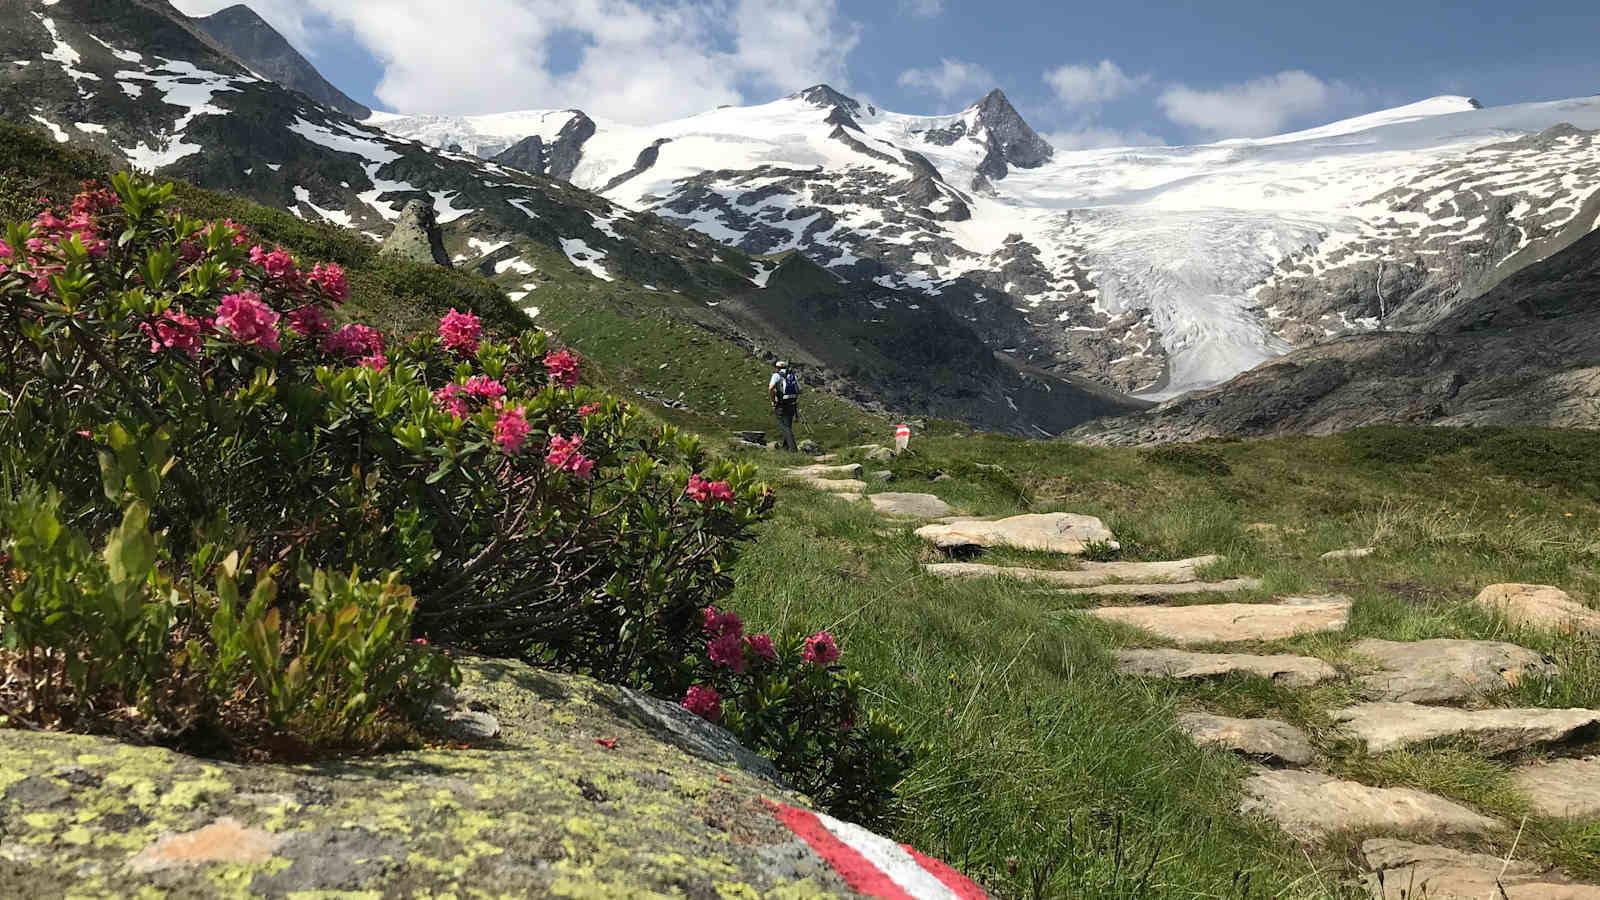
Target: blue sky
{"x": 1084, "y": 74}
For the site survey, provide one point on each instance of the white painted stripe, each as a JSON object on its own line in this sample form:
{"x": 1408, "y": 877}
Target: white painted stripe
{"x": 891, "y": 859}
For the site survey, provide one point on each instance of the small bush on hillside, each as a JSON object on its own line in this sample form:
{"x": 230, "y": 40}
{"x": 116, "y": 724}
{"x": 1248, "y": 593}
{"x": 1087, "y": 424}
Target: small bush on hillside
{"x": 1188, "y": 459}
{"x": 1405, "y": 446}
{"x": 176, "y": 380}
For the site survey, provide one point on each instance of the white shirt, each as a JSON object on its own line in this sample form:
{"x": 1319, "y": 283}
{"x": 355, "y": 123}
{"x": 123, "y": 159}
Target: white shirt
{"x": 773, "y": 381}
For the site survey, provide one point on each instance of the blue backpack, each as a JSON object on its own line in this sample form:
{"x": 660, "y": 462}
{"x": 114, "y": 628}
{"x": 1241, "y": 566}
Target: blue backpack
{"x": 788, "y": 386}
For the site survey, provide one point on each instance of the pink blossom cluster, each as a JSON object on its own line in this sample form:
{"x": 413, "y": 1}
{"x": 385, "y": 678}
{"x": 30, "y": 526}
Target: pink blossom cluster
{"x": 563, "y": 368}
{"x": 702, "y": 491}
{"x": 249, "y": 320}
{"x": 460, "y": 331}
{"x": 309, "y": 321}
{"x": 277, "y": 263}
{"x": 511, "y": 429}
{"x": 564, "y": 455}
{"x": 353, "y": 340}
{"x": 586, "y": 410}
{"x": 329, "y": 278}
{"x": 820, "y": 649}
{"x": 177, "y": 330}
{"x": 454, "y": 397}
{"x": 704, "y": 701}
{"x": 728, "y": 643}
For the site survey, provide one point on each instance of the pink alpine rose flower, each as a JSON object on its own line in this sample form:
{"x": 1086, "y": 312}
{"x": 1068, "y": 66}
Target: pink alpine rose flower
{"x": 588, "y": 409}
{"x": 761, "y": 646}
{"x": 249, "y": 320}
{"x": 727, "y": 650}
{"x": 309, "y": 321}
{"x": 820, "y": 649}
{"x": 720, "y": 623}
{"x": 354, "y": 340}
{"x": 563, "y": 368}
{"x": 564, "y": 455}
{"x": 460, "y": 331}
{"x": 485, "y": 388}
{"x": 376, "y": 362}
{"x": 704, "y": 701}
{"x": 511, "y": 429}
{"x": 277, "y": 263}
{"x": 329, "y": 277}
{"x": 449, "y": 397}
{"x": 175, "y": 330}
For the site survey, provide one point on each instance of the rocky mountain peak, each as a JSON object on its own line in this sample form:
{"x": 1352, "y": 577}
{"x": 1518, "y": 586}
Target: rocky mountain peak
{"x": 1009, "y": 134}
{"x": 258, "y": 45}
{"x": 826, "y": 97}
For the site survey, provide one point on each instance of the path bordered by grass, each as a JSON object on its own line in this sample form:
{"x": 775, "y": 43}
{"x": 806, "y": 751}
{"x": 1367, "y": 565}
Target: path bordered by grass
{"x": 1051, "y": 775}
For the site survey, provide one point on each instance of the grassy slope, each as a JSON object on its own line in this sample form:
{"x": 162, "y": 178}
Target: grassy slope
{"x": 1042, "y": 753}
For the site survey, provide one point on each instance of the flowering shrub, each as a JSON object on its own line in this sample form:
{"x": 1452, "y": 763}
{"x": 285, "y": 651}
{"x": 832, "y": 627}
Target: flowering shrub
{"x": 211, "y": 377}
{"x": 796, "y": 707}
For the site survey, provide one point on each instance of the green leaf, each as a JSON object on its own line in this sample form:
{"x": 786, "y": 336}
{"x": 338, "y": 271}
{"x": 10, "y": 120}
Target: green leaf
{"x": 130, "y": 552}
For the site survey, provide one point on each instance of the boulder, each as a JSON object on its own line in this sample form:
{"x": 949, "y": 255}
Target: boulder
{"x": 589, "y": 785}
{"x": 1049, "y": 532}
{"x": 909, "y": 506}
{"x": 1561, "y": 788}
{"x": 883, "y": 475}
{"x": 836, "y": 485}
{"x": 1401, "y": 870}
{"x": 1267, "y": 740}
{"x": 1311, "y": 807}
{"x": 810, "y": 446}
{"x": 1443, "y": 670}
{"x": 1282, "y": 668}
{"x": 880, "y": 454}
{"x": 1539, "y": 606}
{"x": 416, "y": 235}
{"x": 1088, "y": 573}
{"x": 1229, "y": 622}
{"x": 850, "y": 470}
{"x": 1391, "y": 726}
{"x": 751, "y": 437}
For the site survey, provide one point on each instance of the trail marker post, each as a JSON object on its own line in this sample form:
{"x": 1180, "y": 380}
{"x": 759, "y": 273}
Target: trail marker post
{"x": 902, "y": 437}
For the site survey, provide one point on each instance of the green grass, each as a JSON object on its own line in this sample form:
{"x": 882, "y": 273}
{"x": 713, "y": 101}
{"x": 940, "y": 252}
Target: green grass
{"x": 1042, "y": 756}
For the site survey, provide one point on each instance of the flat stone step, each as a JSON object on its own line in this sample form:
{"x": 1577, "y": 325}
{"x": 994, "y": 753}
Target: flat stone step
{"x": 852, "y": 470}
{"x": 1282, "y": 668}
{"x": 1401, "y": 870}
{"x": 1311, "y": 807}
{"x": 1443, "y": 670}
{"x": 1048, "y": 532}
{"x": 1352, "y": 553}
{"x": 1087, "y": 574}
{"x": 1390, "y": 726}
{"x": 1561, "y": 788}
{"x": 1540, "y": 606}
{"x": 909, "y": 506}
{"x": 1227, "y": 622}
{"x": 1230, "y": 586}
{"x": 1267, "y": 740}
{"x": 837, "y": 485}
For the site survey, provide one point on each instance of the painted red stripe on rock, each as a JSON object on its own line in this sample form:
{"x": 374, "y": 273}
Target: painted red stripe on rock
{"x": 855, "y": 869}
{"x": 959, "y": 884}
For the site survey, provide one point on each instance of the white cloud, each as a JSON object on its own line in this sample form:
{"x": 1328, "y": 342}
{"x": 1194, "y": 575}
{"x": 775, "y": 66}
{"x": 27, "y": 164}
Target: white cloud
{"x": 952, "y": 79}
{"x": 1088, "y": 86}
{"x": 1097, "y": 138}
{"x": 642, "y": 60}
{"x": 922, "y": 9}
{"x": 1255, "y": 108}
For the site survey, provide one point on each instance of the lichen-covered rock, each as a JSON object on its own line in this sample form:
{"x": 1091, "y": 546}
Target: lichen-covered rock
{"x": 416, "y": 235}
{"x": 550, "y": 807}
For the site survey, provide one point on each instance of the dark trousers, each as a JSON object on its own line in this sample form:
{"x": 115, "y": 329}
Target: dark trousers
{"x": 786, "y": 411}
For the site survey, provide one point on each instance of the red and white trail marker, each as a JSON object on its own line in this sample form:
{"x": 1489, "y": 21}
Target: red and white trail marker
{"x": 874, "y": 865}
{"x": 902, "y": 437}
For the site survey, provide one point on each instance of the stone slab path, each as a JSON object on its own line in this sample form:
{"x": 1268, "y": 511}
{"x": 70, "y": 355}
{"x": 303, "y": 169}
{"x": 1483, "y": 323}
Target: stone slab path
{"x": 852, "y": 470}
{"x": 909, "y": 506}
{"x": 1405, "y": 871}
{"x": 837, "y": 485}
{"x": 1282, "y": 668}
{"x": 1561, "y": 788}
{"x": 1231, "y": 622}
{"x": 1087, "y": 574}
{"x": 1443, "y": 670}
{"x": 1165, "y": 589}
{"x": 1539, "y": 606}
{"x": 1267, "y": 740}
{"x": 1048, "y": 532}
{"x": 1390, "y": 726}
{"x": 1311, "y": 807}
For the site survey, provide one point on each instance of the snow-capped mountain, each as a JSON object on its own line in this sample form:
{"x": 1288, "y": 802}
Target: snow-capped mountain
{"x": 149, "y": 87}
{"x": 1156, "y": 269}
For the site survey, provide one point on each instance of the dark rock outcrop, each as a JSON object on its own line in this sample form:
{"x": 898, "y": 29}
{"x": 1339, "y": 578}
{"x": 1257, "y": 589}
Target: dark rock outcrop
{"x": 557, "y": 158}
{"x": 1011, "y": 141}
{"x": 248, "y": 36}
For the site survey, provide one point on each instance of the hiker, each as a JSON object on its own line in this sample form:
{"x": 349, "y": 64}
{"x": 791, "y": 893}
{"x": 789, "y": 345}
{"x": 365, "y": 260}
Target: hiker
{"x": 783, "y": 389}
